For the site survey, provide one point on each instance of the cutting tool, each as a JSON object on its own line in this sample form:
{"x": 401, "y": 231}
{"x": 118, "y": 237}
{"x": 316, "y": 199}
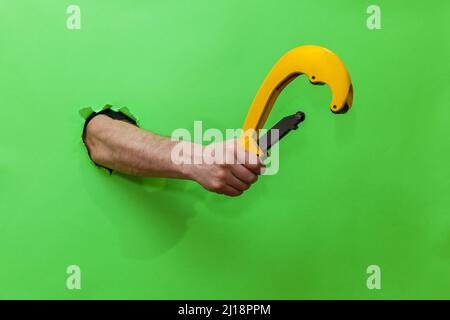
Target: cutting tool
{"x": 321, "y": 66}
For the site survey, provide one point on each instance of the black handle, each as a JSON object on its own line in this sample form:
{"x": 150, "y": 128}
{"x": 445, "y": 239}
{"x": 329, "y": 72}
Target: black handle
{"x": 284, "y": 126}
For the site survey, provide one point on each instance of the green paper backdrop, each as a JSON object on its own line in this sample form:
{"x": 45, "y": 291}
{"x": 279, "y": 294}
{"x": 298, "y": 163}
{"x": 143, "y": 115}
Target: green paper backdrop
{"x": 368, "y": 187}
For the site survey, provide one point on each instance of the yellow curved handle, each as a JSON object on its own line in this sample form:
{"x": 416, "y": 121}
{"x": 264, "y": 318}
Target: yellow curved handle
{"x": 321, "y": 66}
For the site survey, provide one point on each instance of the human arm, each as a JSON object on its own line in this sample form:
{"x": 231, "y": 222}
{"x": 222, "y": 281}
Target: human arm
{"x": 125, "y": 148}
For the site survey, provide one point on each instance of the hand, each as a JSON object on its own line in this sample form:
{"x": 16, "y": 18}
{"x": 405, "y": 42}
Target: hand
{"x": 226, "y": 168}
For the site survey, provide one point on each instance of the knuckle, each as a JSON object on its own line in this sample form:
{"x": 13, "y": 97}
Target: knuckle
{"x": 217, "y": 186}
{"x": 221, "y": 173}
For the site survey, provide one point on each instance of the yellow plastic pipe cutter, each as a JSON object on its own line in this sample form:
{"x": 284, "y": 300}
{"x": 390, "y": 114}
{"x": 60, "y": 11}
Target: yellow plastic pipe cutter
{"x": 321, "y": 66}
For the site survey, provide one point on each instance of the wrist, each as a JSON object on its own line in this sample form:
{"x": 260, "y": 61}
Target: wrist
{"x": 186, "y": 156}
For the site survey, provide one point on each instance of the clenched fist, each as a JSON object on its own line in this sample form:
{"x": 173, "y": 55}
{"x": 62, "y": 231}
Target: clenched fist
{"x": 224, "y": 167}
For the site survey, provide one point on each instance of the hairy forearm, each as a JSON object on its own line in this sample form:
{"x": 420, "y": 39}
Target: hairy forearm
{"x": 125, "y": 148}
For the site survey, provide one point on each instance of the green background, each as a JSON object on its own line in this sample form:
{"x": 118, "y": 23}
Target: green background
{"x": 368, "y": 187}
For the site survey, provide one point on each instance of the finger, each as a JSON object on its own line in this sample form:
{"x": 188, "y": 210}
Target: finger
{"x": 230, "y": 191}
{"x": 244, "y": 174}
{"x": 249, "y": 160}
{"x": 255, "y": 168}
{"x": 236, "y": 183}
